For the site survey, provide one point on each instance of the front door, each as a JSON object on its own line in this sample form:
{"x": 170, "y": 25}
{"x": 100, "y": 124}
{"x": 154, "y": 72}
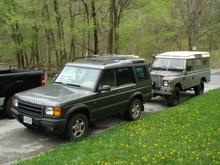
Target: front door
{"x": 189, "y": 77}
{"x": 114, "y": 101}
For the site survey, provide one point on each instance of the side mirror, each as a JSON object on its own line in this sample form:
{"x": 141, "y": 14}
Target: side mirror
{"x": 104, "y": 88}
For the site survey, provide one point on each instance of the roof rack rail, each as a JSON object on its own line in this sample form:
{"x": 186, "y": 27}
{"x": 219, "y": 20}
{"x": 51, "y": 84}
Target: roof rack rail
{"x": 82, "y": 57}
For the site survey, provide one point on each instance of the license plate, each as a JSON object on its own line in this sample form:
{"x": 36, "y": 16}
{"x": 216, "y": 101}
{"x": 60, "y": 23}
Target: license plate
{"x": 27, "y": 120}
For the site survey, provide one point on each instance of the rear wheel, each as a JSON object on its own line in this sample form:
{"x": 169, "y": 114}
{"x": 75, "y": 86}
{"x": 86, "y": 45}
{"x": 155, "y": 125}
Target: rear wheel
{"x": 134, "y": 110}
{"x": 174, "y": 99}
{"x": 77, "y": 127}
{"x": 199, "y": 89}
{"x": 8, "y": 106}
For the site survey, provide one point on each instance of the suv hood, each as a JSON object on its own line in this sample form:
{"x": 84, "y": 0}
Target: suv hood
{"x": 52, "y": 95}
{"x": 165, "y": 73}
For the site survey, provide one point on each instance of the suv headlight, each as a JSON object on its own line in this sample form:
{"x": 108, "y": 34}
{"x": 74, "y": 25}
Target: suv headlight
{"x": 15, "y": 103}
{"x": 53, "y": 111}
{"x": 166, "y": 83}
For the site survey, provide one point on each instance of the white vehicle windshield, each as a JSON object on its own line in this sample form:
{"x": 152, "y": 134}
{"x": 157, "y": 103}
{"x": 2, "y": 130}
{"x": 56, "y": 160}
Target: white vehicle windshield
{"x": 169, "y": 64}
{"x": 78, "y": 76}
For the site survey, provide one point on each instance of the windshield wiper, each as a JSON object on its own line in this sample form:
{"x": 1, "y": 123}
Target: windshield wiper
{"x": 58, "y": 82}
{"x": 159, "y": 68}
{"x": 177, "y": 69}
{"x": 75, "y": 85}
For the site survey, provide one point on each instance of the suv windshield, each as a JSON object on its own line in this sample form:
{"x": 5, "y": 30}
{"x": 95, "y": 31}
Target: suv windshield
{"x": 169, "y": 64}
{"x": 78, "y": 76}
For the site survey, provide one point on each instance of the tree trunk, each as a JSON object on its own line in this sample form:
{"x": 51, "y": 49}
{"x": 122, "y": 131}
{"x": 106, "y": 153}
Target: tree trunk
{"x": 87, "y": 16}
{"x": 18, "y": 40}
{"x": 62, "y": 46}
{"x": 196, "y": 24}
{"x": 72, "y": 24}
{"x": 34, "y": 47}
{"x": 50, "y": 37}
{"x": 111, "y": 31}
{"x": 95, "y": 27}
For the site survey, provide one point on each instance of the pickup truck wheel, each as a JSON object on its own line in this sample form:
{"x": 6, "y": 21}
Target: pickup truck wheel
{"x": 199, "y": 89}
{"x": 7, "y": 107}
{"x": 174, "y": 99}
{"x": 77, "y": 127}
{"x": 134, "y": 110}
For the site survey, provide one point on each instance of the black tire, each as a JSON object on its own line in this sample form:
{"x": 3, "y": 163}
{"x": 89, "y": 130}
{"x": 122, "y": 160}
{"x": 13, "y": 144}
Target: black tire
{"x": 199, "y": 89}
{"x": 8, "y": 106}
{"x": 174, "y": 99}
{"x": 77, "y": 127}
{"x": 134, "y": 110}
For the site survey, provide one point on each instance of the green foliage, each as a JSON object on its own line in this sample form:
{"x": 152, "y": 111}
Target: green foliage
{"x": 186, "y": 134}
{"x": 145, "y": 28}
{"x": 214, "y": 58}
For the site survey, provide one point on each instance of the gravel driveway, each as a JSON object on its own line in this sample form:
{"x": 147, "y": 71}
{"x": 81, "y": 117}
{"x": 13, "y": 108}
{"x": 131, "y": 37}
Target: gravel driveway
{"x": 18, "y": 142}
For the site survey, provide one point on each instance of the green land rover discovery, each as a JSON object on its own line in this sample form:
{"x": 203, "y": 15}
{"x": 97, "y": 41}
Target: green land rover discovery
{"x": 86, "y": 90}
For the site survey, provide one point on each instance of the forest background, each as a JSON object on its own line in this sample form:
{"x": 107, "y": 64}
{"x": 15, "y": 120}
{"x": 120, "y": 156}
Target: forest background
{"x": 48, "y": 33}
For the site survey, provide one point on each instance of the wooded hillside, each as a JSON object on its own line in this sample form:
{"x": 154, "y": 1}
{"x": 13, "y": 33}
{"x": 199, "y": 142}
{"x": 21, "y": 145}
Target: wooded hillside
{"x": 37, "y": 33}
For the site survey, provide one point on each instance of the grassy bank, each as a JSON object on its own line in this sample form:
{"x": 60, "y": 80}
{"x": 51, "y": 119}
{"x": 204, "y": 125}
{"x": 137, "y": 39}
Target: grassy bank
{"x": 186, "y": 134}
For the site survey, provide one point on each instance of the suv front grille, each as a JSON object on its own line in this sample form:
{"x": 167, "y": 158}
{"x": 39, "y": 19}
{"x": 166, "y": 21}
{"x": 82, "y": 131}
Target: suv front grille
{"x": 30, "y": 109}
{"x": 157, "y": 80}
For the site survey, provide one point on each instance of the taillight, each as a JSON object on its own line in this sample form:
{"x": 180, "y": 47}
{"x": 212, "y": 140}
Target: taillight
{"x": 43, "y": 80}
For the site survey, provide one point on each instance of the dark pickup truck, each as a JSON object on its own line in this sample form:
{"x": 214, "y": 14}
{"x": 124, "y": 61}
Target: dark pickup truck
{"x": 13, "y": 81}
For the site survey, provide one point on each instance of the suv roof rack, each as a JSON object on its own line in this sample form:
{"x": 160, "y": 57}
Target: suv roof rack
{"x": 109, "y": 59}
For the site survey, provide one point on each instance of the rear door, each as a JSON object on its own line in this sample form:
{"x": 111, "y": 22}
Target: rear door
{"x": 144, "y": 84}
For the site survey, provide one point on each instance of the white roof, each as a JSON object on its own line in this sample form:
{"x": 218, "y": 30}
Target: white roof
{"x": 183, "y": 54}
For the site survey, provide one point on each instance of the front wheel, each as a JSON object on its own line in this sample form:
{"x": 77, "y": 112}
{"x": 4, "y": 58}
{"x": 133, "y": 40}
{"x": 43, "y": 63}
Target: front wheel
{"x": 8, "y": 106}
{"x": 134, "y": 110}
{"x": 77, "y": 127}
{"x": 174, "y": 99}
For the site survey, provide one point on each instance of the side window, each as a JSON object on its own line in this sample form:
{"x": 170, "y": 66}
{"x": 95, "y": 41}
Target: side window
{"x": 124, "y": 76}
{"x": 141, "y": 73}
{"x": 206, "y": 62}
{"x": 198, "y": 63}
{"x": 108, "y": 78}
{"x": 189, "y": 65}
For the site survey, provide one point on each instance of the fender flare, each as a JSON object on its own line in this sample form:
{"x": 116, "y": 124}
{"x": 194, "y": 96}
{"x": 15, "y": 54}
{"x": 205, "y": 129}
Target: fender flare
{"x": 76, "y": 108}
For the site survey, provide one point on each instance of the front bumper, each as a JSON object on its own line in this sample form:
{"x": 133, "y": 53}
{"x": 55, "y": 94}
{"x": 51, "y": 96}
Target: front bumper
{"x": 163, "y": 91}
{"x": 57, "y": 125}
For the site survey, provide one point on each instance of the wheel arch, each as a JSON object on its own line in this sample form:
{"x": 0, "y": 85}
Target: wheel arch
{"x": 137, "y": 95}
{"x": 203, "y": 79}
{"x": 84, "y": 109}
{"x": 179, "y": 86}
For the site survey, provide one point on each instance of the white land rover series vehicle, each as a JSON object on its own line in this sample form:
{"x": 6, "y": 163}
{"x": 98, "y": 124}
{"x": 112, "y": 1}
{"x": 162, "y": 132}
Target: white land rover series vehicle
{"x": 173, "y": 72}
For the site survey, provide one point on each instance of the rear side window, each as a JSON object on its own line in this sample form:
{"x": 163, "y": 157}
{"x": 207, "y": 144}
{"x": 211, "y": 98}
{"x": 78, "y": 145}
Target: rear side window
{"x": 198, "y": 63}
{"x": 124, "y": 76}
{"x": 141, "y": 73}
{"x": 206, "y": 62}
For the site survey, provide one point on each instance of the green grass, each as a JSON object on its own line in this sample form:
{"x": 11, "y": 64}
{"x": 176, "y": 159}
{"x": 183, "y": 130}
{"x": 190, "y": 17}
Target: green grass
{"x": 185, "y": 134}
